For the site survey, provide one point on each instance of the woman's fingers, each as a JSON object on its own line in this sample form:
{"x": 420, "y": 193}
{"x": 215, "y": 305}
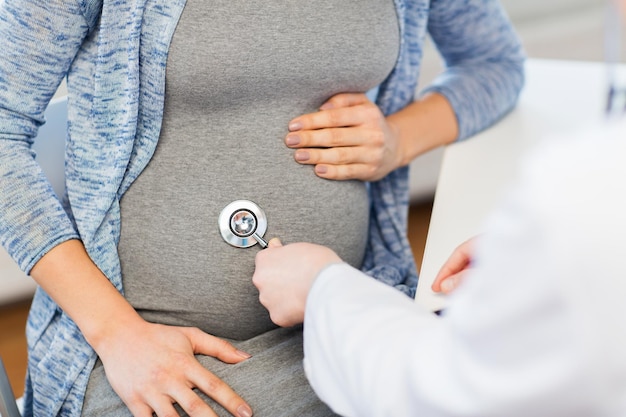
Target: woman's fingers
{"x": 326, "y": 138}
{"x": 207, "y": 382}
{"x": 216, "y": 389}
{"x": 206, "y": 344}
{"x": 163, "y": 407}
{"x": 336, "y": 117}
{"x": 344, "y": 100}
{"x": 153, "y": 366}
{"x": 349, "y": 138}
{"x": 139, "y": 409}
{"x": 340, "y": 155}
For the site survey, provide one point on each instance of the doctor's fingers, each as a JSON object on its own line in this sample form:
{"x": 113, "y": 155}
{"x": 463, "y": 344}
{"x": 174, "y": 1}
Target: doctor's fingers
{"x": 459, "y": 260}
{"x": 452, "y": 282}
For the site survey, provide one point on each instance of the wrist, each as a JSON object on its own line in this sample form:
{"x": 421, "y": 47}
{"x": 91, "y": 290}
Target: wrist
{"x": 423, "y": 125}
{"x": 104, "y": 331}
{"x": 401, "y": 157}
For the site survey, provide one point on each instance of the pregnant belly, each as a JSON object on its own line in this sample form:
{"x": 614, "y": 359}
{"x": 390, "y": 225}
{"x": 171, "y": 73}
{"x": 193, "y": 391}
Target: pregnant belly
{"x": 178, "y": 270}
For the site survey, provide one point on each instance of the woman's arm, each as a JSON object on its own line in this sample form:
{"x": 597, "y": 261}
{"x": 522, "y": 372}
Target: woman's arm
{"x": 484, "y": 61}
{"x": 350, "y": 138}
{"x": 38, "y": 41}
{"x": 149, "y": 366}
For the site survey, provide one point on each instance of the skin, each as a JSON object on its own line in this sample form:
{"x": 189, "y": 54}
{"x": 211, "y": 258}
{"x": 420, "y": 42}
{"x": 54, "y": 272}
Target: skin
{"x": 149, "y": 366}
{"x": 350, "y": 138}
{"x": 152, "y": 366}
{"x": 455, "y": 268}
{"x": 337, "y": 163}
{"x": 284, "y": 276}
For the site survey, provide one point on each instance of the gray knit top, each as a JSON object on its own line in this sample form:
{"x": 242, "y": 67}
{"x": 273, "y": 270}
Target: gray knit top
{"x": 237, "y": 73}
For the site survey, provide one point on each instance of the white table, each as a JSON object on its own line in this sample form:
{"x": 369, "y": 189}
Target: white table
{"x": 559, "y": 97}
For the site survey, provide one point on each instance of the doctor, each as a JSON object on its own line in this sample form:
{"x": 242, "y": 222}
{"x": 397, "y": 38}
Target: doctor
{"x": 537, "y": 326}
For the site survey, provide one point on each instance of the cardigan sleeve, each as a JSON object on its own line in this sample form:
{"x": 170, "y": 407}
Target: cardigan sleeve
{"x": 38, "y": 42}
{"x": 483, "y": 58}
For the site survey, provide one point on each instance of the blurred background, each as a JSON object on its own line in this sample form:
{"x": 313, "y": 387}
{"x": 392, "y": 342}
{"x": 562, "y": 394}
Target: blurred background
{"x": 549, "y": 29}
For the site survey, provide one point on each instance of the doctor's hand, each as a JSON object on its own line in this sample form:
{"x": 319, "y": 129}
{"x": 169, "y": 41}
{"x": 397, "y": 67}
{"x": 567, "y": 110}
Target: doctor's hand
{"x": 455, "y": 268}
{"x": 151, "y": 366}
{"x": 348, "y": 138}
{"x": 284, "y": 275}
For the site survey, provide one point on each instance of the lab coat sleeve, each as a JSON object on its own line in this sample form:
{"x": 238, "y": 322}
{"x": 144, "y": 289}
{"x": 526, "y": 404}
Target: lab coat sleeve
{"x": 535, "y": 329}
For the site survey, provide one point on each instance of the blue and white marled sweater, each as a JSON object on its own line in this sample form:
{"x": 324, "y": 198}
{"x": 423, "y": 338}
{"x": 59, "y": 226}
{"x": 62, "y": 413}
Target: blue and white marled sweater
{"x": 113, "y": 53}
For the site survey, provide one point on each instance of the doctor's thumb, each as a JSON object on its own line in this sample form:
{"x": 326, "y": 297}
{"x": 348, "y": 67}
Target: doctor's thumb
{"x": 274, "y": 243}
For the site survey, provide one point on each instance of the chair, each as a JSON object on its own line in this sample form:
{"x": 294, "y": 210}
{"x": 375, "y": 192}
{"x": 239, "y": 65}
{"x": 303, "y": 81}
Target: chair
{"x": 8, "y": 406}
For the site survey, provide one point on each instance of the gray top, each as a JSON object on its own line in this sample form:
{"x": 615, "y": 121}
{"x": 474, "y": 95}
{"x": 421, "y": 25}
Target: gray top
{"x": 236, "y": 74}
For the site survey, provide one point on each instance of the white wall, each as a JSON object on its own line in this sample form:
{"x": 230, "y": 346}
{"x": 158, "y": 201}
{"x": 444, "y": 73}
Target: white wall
{"x": 556, "y": 29}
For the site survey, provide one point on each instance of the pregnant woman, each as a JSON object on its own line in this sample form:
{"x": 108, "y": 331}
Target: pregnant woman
{"x": 179, "y": 108}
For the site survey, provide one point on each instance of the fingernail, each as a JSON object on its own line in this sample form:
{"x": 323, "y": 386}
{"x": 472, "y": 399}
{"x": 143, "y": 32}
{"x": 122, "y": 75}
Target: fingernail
{"x": 447, "y": 285}
{"x": 244, "y": 411}
{"x": 292, "y": 140}
{"x": 243, "y": 354}
{"x": 275, "y": 242}
{"x": 295, "y": 125}
{"x": 321, "y": 169}
{"x": 302, "y": 156}
{"x": 326, "y": 106}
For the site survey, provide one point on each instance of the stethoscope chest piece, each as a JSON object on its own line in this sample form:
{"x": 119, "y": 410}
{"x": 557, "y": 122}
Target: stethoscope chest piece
{"x": 243, "y": 224}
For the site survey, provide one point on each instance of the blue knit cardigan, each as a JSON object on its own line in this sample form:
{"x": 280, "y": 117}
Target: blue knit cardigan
{"x": 113, "y": 54}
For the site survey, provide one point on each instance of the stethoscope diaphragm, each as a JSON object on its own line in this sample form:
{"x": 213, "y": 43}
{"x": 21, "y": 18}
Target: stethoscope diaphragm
{"x": 243, "y": 224}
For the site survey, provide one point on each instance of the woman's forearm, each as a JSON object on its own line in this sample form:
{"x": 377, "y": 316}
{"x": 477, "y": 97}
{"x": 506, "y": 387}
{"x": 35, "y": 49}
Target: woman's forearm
{"x": 423, "y": 125}
{"x": 69, "y": 276}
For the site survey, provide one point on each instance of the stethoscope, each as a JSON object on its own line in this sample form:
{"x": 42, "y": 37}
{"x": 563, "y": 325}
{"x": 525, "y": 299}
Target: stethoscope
{"x": 243, "y": 224}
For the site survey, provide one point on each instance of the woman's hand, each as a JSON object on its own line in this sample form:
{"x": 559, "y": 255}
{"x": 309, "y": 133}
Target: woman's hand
{"x": 349, "y": 138}
{"x": 284, "y": 275}
{"x": 152, "y": 366}
{"x": 455, "y": 268}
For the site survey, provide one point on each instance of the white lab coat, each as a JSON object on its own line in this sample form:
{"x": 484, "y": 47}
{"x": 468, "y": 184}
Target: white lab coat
{"x": 538, "y": 328}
